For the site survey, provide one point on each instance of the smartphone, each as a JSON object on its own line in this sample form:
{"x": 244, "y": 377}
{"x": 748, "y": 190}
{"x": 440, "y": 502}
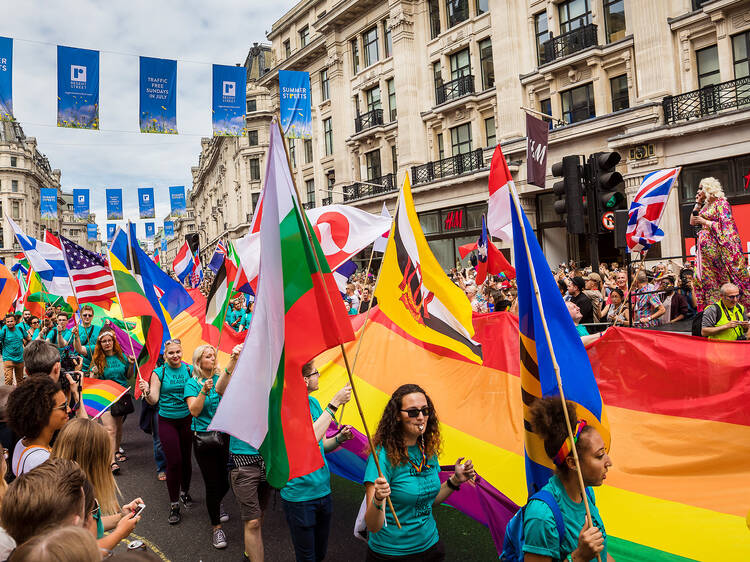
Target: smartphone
{"x": 139, "y": 509}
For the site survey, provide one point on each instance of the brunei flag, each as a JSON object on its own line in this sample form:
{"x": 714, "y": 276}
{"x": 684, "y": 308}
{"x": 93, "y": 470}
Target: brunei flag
{"x": 414, "y": 292}
{"x": 299, "y": 314}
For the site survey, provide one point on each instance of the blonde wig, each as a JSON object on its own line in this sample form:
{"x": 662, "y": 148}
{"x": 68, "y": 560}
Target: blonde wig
{"x": 712, "y": 188}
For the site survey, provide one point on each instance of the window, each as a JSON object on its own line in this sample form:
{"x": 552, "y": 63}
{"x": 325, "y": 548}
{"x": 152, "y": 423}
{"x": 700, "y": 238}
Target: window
{"x": 331, "y": 181}
{"x": 254, "y": 198}
{"x": 310, "y": 188}
{"x": 542, "y": 35}
{"x": 328, "y": 135}
{"x": 460, "y": 64}
{"x": 619, "y": 87}
{"x": 370, "y": 42}
{"x": 254, "y": 168}
{"x": 14, "y": 186}
{"x": 388, "y": 40}
{"x": 391, "y": 98}
{"x": 441, "y": 147}
{"x": 574, "y": 14}
{"x": 355, "y": 99}
{"x": 308, "y": 151}
{"x": 293, "y": 153}
{"x": 708, "y": 66}
{"x": 287, "y": 48}
{"x": 485, "y": 62}
{"x": 15, "y": 209}
{"x": 394, "y": 158}
{"x": 373, "y": 98}
{"x": 482, "y": 6}
{"x": 324, "y": 91}
{"x": 741, "y": 52}
{"x": 304, "y": 36}
{"x": 13, "y": 162}
{"x": 437, "y": 75}
{"x": 461, "y": 139}
{"x": 489, "y": 131}
{"x": 355, "y": 55}
{"x": 545, "y": 106}
{"x": 252, "y": 137}
{"x": 372, "y": 160}
{"x": 458, "y": 11}
{"x": 578, "y": 104}
{"x": 252, "y": 105}
{"x": 434, "y": 10}
{"x": 614, "y": 19}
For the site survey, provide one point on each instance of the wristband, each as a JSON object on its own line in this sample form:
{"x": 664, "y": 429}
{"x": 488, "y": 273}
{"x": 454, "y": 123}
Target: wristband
{"x": 227, "y": 371}
{"x": 378, "y": 506}
{"x": 452, "y": 486}
{"x": 330, "y": 412}
{"x": 332, "y": 407}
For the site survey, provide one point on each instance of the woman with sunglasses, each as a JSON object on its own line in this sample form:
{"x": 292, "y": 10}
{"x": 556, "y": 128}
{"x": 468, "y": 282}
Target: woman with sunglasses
{"x": 85, "y": 336}
{"x": 110, "y": 363}
{"x": 407, "y": 443}
{"x": 167, "y": 387}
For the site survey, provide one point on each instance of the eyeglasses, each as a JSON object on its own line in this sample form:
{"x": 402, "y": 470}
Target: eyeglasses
{"x": 732, "y": 297}
{"x": 414, "y": 412}
{"x": 63, "y": 407}
{"x": 314, "y": 373}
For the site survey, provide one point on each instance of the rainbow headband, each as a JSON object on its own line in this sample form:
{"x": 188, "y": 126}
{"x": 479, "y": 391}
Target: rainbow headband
{"x": 566, "y": 447}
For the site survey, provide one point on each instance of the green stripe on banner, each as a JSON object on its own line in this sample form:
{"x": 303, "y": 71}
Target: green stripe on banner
{"x": 126, "y": 283}
{"x": 626, "y": 551}
{"x": 297, "y": 261}
{"x": 274, "y": 447}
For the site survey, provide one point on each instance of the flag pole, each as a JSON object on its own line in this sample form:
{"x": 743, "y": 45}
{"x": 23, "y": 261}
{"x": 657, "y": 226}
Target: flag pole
{"x": 555, "y": 366}
{"x": 341, "y": 345}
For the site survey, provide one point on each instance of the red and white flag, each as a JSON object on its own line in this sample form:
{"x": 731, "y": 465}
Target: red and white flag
{"x": 380, "y": 244}
{"x": 498, "y": 211}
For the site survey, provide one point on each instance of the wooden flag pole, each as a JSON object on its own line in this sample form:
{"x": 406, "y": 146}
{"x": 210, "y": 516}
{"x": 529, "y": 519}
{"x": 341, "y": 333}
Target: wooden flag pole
{"x": 341, "y": 345}
{"x": 555, "y": 366}
{"x": 626, "y": 301}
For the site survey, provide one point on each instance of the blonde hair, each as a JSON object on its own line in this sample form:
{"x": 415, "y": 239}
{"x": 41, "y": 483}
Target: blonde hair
{"x": 712, "y": 188}
{"x": 87, "y": 443}
{"x": 62, "y": 544}
{"x": 198, "y": 355}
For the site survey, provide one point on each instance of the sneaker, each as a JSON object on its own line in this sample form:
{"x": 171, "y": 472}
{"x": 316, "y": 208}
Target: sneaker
{"x": 174, "y": 514}
{"x": 223, "y": 515}
{"x": 219, "y": 539}
{"x": 186, "y": 500}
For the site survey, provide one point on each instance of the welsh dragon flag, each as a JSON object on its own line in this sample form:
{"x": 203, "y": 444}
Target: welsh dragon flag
{"x": 299, "y": 314}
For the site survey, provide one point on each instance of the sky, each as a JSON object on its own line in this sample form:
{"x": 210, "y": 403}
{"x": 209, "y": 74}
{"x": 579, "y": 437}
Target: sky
{"x": 194, "y": 32}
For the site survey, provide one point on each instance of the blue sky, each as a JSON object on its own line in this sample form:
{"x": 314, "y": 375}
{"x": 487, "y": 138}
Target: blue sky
{"x": 196, "y": 33}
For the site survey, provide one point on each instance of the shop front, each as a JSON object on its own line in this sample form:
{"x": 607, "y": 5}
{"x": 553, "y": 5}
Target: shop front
{"x": 448, "y": 228}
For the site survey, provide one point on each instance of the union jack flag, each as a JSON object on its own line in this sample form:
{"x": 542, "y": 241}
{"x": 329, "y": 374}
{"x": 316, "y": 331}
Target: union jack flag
{"x": 647, "y": 208}
{"x": 218, "y": 258}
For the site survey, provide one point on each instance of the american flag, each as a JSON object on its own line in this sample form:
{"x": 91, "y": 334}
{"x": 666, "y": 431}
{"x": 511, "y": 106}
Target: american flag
{"x": 90, "y": 273}
{"x": 646, "y": 209}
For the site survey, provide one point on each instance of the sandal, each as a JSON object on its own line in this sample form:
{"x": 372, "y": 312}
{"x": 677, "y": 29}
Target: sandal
{"x": 120, "y": 456}
{"x": 161, "y": 476}
{"x": 115, "y": 468}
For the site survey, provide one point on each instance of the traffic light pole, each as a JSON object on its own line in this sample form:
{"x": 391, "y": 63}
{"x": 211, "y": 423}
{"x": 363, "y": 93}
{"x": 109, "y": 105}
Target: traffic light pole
{"x": 592, "y": 214}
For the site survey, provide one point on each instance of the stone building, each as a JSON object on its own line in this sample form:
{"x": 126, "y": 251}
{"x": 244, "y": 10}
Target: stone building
{"x": 76, "y": 229}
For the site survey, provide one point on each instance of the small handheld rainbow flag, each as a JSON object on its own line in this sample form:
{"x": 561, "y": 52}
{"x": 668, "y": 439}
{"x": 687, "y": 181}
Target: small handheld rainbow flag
{"x": 99, "y": 395}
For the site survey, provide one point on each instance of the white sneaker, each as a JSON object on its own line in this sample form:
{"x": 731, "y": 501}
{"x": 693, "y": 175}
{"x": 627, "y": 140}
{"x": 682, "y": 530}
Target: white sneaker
{"x": 219, "y": 539}
{"x": 223, "y": 515}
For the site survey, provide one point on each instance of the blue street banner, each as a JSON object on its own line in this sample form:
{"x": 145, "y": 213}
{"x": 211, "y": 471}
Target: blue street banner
{"x": 114, "y": 204}
{"x": 48, "y": 200}
{"x": 168, "y": 229}
{"x": 92, "y": 232}
{"x": 228, "y": 113}
{"x": 6, "y": 79}
{"x": 150, "y": 231}
{"x": 111, "y": 228}
{"x": 81, "y": 207}
{"x": 296, "y": 117}
{"x": 77, "y": 88}
{"x": 146, "y": 202}
{"x": 177, "y": 200}
{"x": 158, "y": 108}
{"x": 163, "y": 245}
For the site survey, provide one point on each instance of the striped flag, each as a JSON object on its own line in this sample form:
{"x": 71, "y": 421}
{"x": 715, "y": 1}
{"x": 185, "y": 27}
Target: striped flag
{"x": 92, "y": 280}
{"x": 221, "y": 291}
{"x": 183, "y": 262}
{"x": 99, "y": 395}
{"x": 647, "y": 208}
{"x": 197, "y": 275}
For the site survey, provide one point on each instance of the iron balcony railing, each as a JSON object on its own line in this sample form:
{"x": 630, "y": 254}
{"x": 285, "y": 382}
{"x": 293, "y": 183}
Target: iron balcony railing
{"x": 451, "y": 166}
{"x": 375, "y": 186}
{"x": 708, "y": 100}
{"x": 366, "y": 120}
{"x": 568, "y": 43}
{"x": 326, "y": 201}
{"x": 454, "y": 89}
{"x": 307, "y": 205}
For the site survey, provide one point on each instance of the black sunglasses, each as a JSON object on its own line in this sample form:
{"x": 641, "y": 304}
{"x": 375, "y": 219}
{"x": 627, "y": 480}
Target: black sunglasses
{"x": 414, "y": 412}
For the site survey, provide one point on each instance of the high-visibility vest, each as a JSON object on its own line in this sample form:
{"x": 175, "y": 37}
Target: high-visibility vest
{"x": 725, "y": 316}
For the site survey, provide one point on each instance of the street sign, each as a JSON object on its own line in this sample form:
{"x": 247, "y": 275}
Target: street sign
{"x": 608, "y": 220}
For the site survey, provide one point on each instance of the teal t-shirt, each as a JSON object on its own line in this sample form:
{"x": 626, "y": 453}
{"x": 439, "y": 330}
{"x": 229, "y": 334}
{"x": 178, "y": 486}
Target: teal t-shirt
{"x": 12, "y": 341}
{"x": 210, "y": 403}
{"x": 540, "y": 531}
{"x": 240, "y": 447}
{"x": 412, "y": 494}
{"x": 315, "y": 485}
{"x": 66, "y": 337}
{"x": 582, "y": 331}
{"x": 246, "y": 319}
{"x": 116, "y": 370}
{"x": 233, "y": 316}
{"x": 88, "y": 338}
{"x": 171, "y": 396}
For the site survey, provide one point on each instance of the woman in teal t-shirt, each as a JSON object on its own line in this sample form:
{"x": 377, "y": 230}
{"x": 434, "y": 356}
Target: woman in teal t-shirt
{"x": 110, "y": 363}
{"x": 541, "y": 540}
{"x": 407, "y": 443}
{"x": 167, "y": 387}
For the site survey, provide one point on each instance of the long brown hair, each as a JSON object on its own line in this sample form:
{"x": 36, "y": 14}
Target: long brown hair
{"x": 389, "y": 434}
{"x": 99, "y": 358}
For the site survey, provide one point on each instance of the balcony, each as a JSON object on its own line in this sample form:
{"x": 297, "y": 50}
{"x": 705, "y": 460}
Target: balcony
{"x": 326, "y": 201}
{"x": 454, "y": 89}
{"x": 307, "y": 205}
{"x": 569, "y": 43}
{"x": 709, "y": 100}
{"x": 368, "y": 120}
{"x": 361, "y": 190}
{"x": 447, "y": 167}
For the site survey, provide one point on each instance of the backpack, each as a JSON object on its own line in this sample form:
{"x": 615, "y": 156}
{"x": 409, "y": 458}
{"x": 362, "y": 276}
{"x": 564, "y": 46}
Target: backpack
{"x": 513, "y": 541}
{"x": 698, "y": 321}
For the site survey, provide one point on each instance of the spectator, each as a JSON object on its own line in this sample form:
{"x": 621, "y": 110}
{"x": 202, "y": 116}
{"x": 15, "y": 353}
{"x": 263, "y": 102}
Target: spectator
{"x": 593, "y": 290}
{"x": 64, "y": 544}
{"x": 648, "y": 308}
{"x": 614, "y": 312}
{"x": 575, "y": 314}
{"x": 576, "y": 287}
{"x": 562, "y": 285}
{"x": 41, "y": 358}
{"x": 476, "y": 304}
{"x": 675, "y": 304}
{"x": 7, "y": 544}
{"x": 687, "y": 290}
{"x": 8, "y": 437}
{"x": 727, "y": 318}
{"x": 367, "y": 300}
{"x": 12, "y": 340}
{"x": 352, "y": 297}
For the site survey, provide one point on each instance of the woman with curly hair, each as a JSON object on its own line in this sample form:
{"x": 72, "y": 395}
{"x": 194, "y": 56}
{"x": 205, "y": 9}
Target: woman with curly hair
{"x": 581, "y": 543}
{"x": 110, "y": 363}
{"x": 36, "y": 409}
{"x": 407, "y": 443}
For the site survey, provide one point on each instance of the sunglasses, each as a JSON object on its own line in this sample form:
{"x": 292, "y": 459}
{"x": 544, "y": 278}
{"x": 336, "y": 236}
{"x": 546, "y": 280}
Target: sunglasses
{"x": 62, "y": 407}
{"x": 732, "y": 296}
{"x": 414, "y": 412}
{"x": 173, "y": 340}
{"x": 89, "y": 315}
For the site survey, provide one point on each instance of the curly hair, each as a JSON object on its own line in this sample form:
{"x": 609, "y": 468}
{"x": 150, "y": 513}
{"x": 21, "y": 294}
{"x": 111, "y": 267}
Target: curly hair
{"x": 99, "y": 358}
{"x": 389, "y": 434}
{"x": 712, "y": 188}
{"x": 548, "y": 421}
{"x": 30, "y": 406}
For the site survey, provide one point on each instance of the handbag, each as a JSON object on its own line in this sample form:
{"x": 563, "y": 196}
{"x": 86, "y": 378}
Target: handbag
{"x": 123, "y": 406}
{"x": 209, "y": 440}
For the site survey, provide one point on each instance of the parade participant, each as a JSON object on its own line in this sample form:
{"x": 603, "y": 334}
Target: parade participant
{"x": 235, "y": 315}
{"x": 718, "y": 250}
{"x": 407, "y": 443}
{"x": 614, "y": 312}
{"x": 12, "y": 340}
{"x": 110, "y": 363}
{"x": 64, "y": 544}
{"x": 60, "y": 336}
{"x": 85, "y": 336}
{"x": 25, "y": 323}
{"x": 727, "y": 318}
{"x": 211, "y": 448}
{"x": 580, "y": 543}
{"x": 36, "y": 409}
{"x": 648, "y": 307}
{"x": 34, "y": 327}
{"x": 248, "y": 316}
{"x": 307, "y": 499}
{"x": 167, "y": 387}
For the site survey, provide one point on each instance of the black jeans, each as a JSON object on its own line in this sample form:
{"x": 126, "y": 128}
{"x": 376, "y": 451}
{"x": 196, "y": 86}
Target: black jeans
{"x": 436, "y": 553}
{"x": 176, "y": 442}
{"x": 309, "y": 523}
{"x": 212, "y": 462}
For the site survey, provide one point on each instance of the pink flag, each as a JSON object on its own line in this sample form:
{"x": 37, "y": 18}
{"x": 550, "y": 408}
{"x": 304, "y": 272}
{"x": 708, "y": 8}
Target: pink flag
{"x": 498, "y": 212}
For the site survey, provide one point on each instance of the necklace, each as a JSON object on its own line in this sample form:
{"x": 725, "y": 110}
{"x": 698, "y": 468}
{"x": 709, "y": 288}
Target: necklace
{"x": 423, "y": 462}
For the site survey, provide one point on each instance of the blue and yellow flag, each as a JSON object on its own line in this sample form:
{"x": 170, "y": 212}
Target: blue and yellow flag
{"x": 537, "y": 373}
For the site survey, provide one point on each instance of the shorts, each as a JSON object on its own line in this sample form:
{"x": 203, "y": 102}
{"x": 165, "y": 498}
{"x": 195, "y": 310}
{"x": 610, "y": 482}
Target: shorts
{"x": 251, "y": 490}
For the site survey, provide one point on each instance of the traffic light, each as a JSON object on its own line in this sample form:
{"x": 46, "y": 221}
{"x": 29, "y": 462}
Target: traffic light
{"x": 569, "y": 193}
{"x": 607, "y": 187}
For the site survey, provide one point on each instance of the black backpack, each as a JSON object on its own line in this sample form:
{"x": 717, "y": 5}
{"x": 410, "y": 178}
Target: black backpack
{"x": 698, "y": 322}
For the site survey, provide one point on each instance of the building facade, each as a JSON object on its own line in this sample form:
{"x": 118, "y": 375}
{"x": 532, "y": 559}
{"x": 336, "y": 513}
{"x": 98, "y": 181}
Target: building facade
{"x": 76, "y": 229}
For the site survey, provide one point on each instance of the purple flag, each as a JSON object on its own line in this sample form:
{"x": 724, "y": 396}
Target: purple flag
{"x": 537, "y": 133}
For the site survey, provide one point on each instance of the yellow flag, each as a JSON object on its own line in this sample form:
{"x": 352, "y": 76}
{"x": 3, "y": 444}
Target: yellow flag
{"x": 415, "y": 293}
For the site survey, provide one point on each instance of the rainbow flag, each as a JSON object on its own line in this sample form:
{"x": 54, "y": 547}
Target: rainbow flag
{"x": 98, "y": 395}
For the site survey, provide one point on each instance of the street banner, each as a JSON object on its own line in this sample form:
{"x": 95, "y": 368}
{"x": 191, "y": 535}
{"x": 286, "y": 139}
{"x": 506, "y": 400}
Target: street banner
{"x": 146, "y": 202}
{"x": 6, "y": 79}
{"x": 81, "y": 203}
{"x": 149, "y": 231}
{"x": 537, "y": 135}
{"x": 111, "y": 228}
{"x": 158, "y": 107}
{"x": 77, "y": 88}
{"x": 92, "y": 232}
{"x": 296, "y": 117}
{"x": 48, "y": 201}
{"x": 114, "y": 204}
{"x": 164, "y": 244}
{"x": 177, "y": 200}
{"x": 229, "y": 85}
{"x": 168, "y": 229}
